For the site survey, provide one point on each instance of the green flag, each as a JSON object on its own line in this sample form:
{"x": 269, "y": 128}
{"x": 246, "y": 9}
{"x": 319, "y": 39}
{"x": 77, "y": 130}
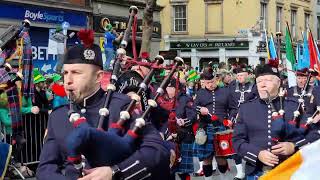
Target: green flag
{"x": 289, "y": 51}
{"x": 290, "y": 60}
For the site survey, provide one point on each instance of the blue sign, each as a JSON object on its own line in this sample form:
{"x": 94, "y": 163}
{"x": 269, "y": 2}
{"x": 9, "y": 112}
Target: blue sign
{"x": 41, "y": 59}
{"x": 45, "y": 15}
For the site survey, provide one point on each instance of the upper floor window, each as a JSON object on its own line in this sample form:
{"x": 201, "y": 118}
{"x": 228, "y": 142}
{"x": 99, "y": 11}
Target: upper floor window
{"x": 263, "y": 16}
{"x": 306, "y": 20}
{"x": 294, "y": 23}
{"x": 279, "y": 19}
{"x": 180, "y": 18}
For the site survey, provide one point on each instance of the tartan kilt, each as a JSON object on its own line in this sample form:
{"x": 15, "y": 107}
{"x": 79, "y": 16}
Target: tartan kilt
{"x": 206, "y": 150}
{"x": 186, "y": 164}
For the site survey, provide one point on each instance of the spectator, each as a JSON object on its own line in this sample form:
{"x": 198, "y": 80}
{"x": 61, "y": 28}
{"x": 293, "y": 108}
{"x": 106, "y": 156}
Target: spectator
{"x": 40, "y": 94}
{"x": 109, "y": 37}
{"x": 60, "y": 96}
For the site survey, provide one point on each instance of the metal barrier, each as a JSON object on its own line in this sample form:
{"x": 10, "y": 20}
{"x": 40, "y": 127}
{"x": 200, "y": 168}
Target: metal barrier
{"x": 34, "y": 129}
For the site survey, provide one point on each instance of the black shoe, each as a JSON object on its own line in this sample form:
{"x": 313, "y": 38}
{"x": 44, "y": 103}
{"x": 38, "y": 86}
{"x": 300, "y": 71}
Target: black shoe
{"x": 235, "y": 178}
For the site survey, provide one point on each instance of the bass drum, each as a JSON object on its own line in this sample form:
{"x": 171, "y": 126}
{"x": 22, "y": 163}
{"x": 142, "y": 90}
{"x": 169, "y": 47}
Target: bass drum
{"x": 128, "y": 81}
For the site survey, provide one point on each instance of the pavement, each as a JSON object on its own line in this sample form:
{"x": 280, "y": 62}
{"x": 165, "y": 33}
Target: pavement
{"x": 216, "y": 176}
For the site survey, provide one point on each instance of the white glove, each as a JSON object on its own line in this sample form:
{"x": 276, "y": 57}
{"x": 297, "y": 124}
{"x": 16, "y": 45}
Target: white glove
{"x": 35, "y": 110}
{"x": 181, "y": 122}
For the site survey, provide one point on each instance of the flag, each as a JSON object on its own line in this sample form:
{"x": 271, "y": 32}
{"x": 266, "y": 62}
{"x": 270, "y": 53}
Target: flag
{"x": 306, "y": 55}
{"x": 303, "y": 58}
{"x": 299, "y": 56}
{"x": 290, "y": 60}
{"x": 314, "y": 59}
{"x": 267, "y": 44}
{"x": 5, "y": 155}
{"x": 302, "y": 165}
{"x": 318, "y": 62}
{"x": 272, "y": 49}
{"x": 193, "y": 75}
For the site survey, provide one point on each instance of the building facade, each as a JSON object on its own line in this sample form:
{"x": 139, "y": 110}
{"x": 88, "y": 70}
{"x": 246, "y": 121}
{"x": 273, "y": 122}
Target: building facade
{"x": 229, "y": 31}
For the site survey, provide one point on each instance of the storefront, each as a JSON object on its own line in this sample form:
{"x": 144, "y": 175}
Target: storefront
{"x": 42, "y": 20}
{"x": 120, "y": 23}
{"x": 203, "y": 52}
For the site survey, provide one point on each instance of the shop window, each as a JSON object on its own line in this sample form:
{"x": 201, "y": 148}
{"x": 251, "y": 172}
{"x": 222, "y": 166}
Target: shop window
{"x": 205, "y": 62}
{"x": 236, "y": 60}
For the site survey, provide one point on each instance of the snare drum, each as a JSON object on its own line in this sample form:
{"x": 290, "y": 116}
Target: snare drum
{"x": 223, "y": 143}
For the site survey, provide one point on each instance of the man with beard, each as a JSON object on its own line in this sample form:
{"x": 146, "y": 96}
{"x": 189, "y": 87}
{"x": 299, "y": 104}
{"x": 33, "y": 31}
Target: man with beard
{"x": 262, "y": 136}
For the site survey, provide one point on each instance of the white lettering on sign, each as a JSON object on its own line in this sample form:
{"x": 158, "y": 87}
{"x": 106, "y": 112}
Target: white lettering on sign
{"x": 41, "y": 53}
{"x": 32, "y": 15}
{"x": 42, "y": 16}
{"x": 196, "y": 45}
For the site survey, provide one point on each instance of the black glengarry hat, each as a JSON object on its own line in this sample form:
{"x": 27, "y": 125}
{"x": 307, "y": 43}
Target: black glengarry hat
{"x": 241, "y": 68}
{"x": 85, "y": 53}
{"x": 268, "y": 69}
{"x": 302, "y": 72}
{"x": 206, "y": 76}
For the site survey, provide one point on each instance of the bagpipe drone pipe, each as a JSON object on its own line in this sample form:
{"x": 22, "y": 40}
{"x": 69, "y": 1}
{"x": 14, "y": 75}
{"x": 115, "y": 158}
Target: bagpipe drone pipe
{"x": 102, "y": 148}
{"x": 8, "y": 47}
{"x": 9, "y": 37}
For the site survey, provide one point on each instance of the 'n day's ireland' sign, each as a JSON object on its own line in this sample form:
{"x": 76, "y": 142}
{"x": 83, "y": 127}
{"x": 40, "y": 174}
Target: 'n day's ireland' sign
{"x": 210, "y": 45}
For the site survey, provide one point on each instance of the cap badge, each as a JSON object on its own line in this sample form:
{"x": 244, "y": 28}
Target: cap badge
{"x": 275, "y": 70}
{"x": 89, "y": 54}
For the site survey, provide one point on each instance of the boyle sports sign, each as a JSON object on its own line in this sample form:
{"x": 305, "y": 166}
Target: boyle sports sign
{"x": 42, "y": 15}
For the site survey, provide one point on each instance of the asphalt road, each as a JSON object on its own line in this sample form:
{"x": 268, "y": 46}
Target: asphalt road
{"x": 217, "y": 176}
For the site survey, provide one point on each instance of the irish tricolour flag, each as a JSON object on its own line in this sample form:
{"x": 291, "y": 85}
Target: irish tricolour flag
{"x": 303, "y": 165}
{"x": 290, "y": 60}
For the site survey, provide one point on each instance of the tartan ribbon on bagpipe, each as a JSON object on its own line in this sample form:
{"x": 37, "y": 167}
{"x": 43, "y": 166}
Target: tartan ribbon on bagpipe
{"x": 28, "y": 87}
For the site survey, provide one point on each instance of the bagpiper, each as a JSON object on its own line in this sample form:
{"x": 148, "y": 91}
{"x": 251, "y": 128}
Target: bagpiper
{"x": 212, "y": 104}
{"x": 265, "y": 137}
{"x": 241, "y": 90}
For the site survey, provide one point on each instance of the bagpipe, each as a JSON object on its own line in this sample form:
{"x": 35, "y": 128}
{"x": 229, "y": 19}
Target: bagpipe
{"x": 9, "y": 37}
{"x": 102, "y": 148}
{"x": 294, "y": 126}
{"x": 9, "y": 48}
{"x": 11, "y": 82}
